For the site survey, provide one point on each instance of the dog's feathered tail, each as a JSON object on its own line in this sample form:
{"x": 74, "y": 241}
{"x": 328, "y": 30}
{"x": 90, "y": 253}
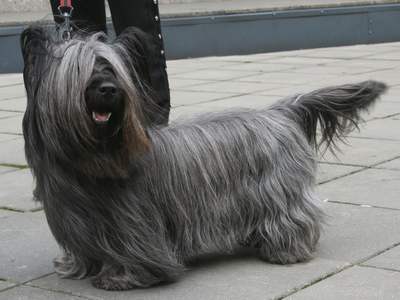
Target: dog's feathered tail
{"x": 336, "y": 109}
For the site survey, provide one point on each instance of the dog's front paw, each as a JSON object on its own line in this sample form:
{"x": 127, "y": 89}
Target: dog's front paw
{"x": 69, "y": 266}
{"x": 285, "y": 258}
{"x": 112, "y": 283}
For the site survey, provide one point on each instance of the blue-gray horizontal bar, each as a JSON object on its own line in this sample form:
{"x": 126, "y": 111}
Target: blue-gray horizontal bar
{"x": 231, "y": 34}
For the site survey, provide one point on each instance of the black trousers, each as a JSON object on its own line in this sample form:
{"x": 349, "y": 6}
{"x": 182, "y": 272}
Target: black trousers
{"x": 142, "y": 14}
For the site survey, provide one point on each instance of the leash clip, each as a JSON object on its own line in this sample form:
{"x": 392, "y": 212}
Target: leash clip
{"x": 65, "y": 8}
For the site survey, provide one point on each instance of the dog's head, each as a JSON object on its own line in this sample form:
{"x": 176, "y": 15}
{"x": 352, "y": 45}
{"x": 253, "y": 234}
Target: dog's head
{"x": 84, "y": 100}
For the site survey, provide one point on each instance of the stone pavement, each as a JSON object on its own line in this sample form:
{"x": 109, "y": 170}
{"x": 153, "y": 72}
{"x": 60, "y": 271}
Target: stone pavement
{"x": 359, "y": 253}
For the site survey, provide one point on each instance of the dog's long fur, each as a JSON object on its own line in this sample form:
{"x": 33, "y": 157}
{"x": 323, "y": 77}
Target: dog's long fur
{"x": 133, "y": 209}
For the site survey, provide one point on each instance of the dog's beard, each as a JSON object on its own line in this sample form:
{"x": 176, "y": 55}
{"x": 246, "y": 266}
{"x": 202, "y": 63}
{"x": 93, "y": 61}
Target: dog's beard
{"x": 88, "y": 135}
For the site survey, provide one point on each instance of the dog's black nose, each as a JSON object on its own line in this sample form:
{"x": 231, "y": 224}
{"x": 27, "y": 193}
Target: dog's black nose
{"x": 107, "y": 89}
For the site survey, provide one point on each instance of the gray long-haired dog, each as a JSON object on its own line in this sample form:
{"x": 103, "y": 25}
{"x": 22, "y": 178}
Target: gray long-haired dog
{"x": 130, "y": 204}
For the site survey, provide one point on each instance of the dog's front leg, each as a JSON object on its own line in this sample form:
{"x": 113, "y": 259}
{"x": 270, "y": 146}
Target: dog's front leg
{"x": 72, "y": 266}
{"x": 118, "y": 278}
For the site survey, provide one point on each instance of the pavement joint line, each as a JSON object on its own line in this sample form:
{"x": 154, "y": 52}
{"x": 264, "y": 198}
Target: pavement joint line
{"x": 373, "y": 166}
{"x": 357, "y": 166}
{"x": 213, "y": 100}
{"x": 315, "y": 281}
{"x": 362, "y": 205}
{"x": 344, "y": 175}
{"x": 11, "y": 133}
{"x": 11, "y": 110}
{"x": 339, "y": 270}
{"x": 16, "y": 98}
{"x": 223, "y": 80}
{"x": 11, "y": 98}
{"x": 341, "y": 164}
{"x": 379, "y": 268}
{"x": 384, "y": 117}
{"x": 12, "y": 209}
{"x": 372, "y": 138}
{"x": 58, "y": 291}
{"x": 17, "y": 210}
{"x": 332, "y": 57}
{"x": 15, "y": 166}
{"x": 10, "y": 85}
{"x": 357, "y": 73}
{"x": 9, "y": 117}
{"x": 28, "y": 284}
{"x": 17, "y": 283}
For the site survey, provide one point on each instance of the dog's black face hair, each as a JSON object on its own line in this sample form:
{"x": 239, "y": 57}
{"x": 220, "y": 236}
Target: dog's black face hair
{"x": 105, "y": 100}
{"x": 83, "y": 102}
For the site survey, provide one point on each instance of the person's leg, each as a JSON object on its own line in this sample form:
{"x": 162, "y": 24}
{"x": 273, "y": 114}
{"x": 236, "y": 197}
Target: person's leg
{"x": 144, "y": 15}
{"x": 87, "y": 14}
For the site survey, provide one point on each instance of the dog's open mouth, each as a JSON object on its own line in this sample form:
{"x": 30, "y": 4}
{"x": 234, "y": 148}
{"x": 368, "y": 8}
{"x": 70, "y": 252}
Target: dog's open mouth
{"x": 101, "y": 117}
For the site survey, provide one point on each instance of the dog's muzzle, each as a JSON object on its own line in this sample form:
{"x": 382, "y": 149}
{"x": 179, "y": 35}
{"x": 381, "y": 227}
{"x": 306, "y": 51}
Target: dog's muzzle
{"x": 105, "y": 102}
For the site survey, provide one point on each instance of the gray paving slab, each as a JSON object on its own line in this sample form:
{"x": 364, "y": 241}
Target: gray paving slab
{"x": 369, "y": 187}
{"x": 387, "y": 260}
{"x": 14, "y": 105}
{"x": 391, "y": 55}
{"x": 178, "y": 114}
{"x": 355, "y": 283}
{"x": 334, "y": 70}
{"x": 346, "y": 52}
{"x": 363, "y": 152}
{"x": 289, "y": 79}
{"x": 248, "y": 101}
{"x": 305, "y": 59}
{"x": 197, "y": 64}
{"x": 331, "y": 171}
{"x": 11, "y": 125}
{"x": 349, "y": 236}
{"x": 213, "y": 74}
{"x": 176, "y": 83}
{"x": 4, "y": 285}
{"x": 365, "y": 62}
{"x": 14, "y": 91}
{"x": 259, "y": 67}
{"x": 393, "y": 165}
{"x": 16, "y": 191}
{"x": 393, "y": 94}
{"x": 7, "y": 114}
{"x": 11, "y": 79}
{"x": 354, "y": 233}
{"x": 380, "y": 129}
{"x": 27, "y": 247}
{"x": 293, "y": 89}
{"x": 4, "y": 169}
{"x": 6, "y": 213}
{"x": 383, "y": 109}
{"x": 7, "y": 137}
{"x": 32, "y": 293}
{"x": 234, "y": 59}
{"x": 239, "y": 278}
{"x": 179, "y": 97}
{"x": 238, "y": 87}
{"x": 388, "y": 76}
{"x": 12, "y": 151}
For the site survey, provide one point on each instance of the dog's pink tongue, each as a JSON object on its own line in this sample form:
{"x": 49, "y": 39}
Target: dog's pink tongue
{"x": 102, "y": 117}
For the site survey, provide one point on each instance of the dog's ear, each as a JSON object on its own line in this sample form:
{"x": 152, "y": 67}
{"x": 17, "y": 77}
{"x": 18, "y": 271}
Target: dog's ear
{"x": 134, "y": 46}
{"x": 139, "y": 52}
{"x": 34, "y": 42}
